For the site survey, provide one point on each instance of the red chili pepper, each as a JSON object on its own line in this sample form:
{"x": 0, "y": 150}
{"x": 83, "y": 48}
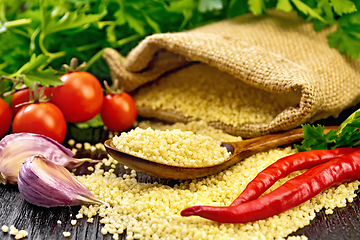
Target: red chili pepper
{"x": 289, "y": 195}
{"x": 283, "y": 167}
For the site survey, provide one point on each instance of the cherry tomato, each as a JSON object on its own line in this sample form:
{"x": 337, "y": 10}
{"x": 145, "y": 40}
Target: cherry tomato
{"x": 118, "y": 111}
{"x": 79, "y": 98}
{"x": 5, "y": 117}
{"x": 23, "y": 96}
{"x": 41, "y": 118}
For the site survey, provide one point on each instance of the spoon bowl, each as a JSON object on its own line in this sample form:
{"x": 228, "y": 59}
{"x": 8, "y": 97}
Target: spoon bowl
{"x": 239, "y": 151}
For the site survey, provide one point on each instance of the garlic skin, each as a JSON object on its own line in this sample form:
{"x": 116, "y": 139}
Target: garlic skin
{"x": 16, "y": 148}
{"x": 46, "y": 184}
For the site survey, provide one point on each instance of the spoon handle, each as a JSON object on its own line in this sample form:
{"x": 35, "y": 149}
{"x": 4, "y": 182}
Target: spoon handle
{"x": 266, "y": 142}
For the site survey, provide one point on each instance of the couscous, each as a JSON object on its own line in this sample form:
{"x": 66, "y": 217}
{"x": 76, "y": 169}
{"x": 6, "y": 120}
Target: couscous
{"x": 172, "y": 147}
{"x": 152, "y": 210}
{"x": 212, "y": 99}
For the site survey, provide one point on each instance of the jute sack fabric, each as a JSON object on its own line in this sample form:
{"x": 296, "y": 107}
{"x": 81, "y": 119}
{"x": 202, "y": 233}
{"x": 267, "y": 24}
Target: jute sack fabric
{"x": 277, "y": 53}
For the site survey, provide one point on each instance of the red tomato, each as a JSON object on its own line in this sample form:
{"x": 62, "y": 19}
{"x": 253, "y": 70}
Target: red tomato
{"x": 79, "y": 98}
{"x": 23, "y": 96}
{"x": 41, "y": 118}
{"x": 118, "y": 111}
{"x": 5, "y": 117}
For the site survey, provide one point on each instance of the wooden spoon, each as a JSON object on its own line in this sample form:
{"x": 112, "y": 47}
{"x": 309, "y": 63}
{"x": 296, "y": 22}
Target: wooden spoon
{"x": 240, "y": 150}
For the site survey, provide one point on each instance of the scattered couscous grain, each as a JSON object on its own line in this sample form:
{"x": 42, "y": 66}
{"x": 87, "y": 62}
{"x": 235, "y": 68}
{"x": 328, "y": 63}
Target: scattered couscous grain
{"x": 67, "y": 234}
{"x": 172, "y": 147}
{"x": 71, "y": 142}
{"x": 152, "y": 210}
{"x": 78, "y": 145}
{"x": 87, "y": 146}
{"x": 93, "y": 148}
{"x": 229, "y": 100}
{"x": 74, "y": 150}
{"x": 21, "y": 234}
{"x": 13, "y": 230}
{"x": 5, "y": 228}
{"x": 73, "y": 222}
{"x": 100, "y": 146}
{"x": 58, "y": 222}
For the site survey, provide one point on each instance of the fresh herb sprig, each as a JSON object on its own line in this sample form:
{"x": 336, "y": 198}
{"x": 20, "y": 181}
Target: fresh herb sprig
{"x": 347, "y": 135}
{"x": 56, "y": 31}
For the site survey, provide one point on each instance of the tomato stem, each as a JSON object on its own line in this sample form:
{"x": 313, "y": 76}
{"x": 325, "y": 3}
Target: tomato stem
{"x": 36, "y": 96}
{"x": 74, "y": 66}
{"x": 115, "y": 87}
{"x": 14, "y": 88}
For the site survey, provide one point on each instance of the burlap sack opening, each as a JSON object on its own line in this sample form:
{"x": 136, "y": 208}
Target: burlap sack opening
{"x": 277, "y": 56}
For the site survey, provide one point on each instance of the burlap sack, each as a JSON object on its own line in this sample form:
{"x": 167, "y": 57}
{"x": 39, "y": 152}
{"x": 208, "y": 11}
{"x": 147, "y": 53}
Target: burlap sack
{"x": 278, "y": 53}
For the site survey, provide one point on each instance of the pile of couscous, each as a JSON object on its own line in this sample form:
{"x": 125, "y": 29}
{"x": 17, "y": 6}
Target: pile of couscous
{"x": 172, "y": 147}
{"x": 152, "y": 210}
{"x": 221, "y": 98}
{"x": 197, "y": 127}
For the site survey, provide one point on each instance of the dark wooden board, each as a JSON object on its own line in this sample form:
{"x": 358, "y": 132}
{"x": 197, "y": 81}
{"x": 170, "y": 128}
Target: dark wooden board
{"x": 42, "y": 223}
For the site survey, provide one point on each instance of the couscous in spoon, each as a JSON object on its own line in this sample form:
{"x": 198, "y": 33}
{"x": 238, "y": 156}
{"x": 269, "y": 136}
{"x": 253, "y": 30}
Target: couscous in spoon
{"x": 239, "y": 151}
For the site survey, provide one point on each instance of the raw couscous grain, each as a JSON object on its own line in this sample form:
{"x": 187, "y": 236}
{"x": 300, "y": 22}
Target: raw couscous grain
{"x": 5, "y": 228}
{"x": 21, "y": 234}
{"x": 172, "y": 147}
{"x": 218, "y": 98}
{"x": 197, "y": 127}
{"x": 152, "y": 210}
{"x": 13, "y": 230}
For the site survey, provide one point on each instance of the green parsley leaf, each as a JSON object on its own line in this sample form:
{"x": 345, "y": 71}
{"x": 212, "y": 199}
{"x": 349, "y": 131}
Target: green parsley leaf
{"x": 314, "y": 138}
{"x": 307, "y": 10}
{"x": 209, "y": 5}
{"x": 347, "y": 135}
{"x": 92, "y": 123}
{"x": 284, "y": 5}
{"x": 72, "y": 20}
{"x": 257, "y": 7}
{"x": 343, "y": 6}
{"x": 237, "y": 7}
{"x": 347, "y": 36}
{"x": 327, "y": 13}
{"x": 45, "y": 78}
{"x": 153, "y": 24}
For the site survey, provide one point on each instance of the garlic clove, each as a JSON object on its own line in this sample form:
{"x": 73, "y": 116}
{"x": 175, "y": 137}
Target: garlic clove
{"x": 44, "y": 183}
{"x": 16, "y": 148}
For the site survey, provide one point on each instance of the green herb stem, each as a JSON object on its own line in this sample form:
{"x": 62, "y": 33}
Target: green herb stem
{"x": 41, "y": 45}
{"x": 93, "y": 59}
{"x": 3, "y": 65}
{"x": 17, "y": 23}
{"x": 53, "y": 56}
{"x": 126, "y": 40}
{"x": 20, "y": 32}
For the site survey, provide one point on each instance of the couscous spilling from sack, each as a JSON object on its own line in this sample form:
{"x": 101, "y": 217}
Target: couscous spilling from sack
{"x": 249, "y": 76}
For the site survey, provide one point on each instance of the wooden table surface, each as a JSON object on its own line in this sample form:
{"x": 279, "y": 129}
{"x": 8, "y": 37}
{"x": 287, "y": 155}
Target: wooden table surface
{"x": 42, "y": 223}
{"x": 50, "y": 223}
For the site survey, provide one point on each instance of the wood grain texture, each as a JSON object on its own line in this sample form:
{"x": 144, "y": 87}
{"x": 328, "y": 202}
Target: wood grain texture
{"x": 42, "y": 223}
